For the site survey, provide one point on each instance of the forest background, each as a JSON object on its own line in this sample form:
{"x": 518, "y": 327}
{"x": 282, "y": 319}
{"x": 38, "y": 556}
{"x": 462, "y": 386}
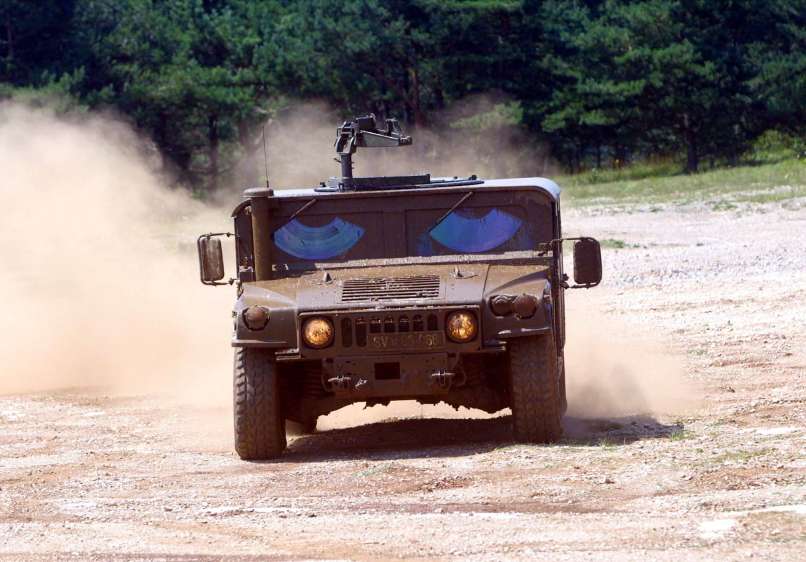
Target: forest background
{"x": 563, "y": 85}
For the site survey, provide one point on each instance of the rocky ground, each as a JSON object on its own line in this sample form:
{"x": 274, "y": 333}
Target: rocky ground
{"x": 708, "y": 463}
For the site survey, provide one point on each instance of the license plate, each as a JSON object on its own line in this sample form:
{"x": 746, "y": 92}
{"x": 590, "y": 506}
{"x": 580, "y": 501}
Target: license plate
{"x": 418, "y": 340}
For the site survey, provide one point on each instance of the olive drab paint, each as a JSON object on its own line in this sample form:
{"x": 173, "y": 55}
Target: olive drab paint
{"x": 402, "y": 271}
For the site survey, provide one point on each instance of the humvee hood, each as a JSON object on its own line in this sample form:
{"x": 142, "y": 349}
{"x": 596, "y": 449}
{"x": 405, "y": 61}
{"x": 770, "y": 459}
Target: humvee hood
{"x": 398, "y": 286}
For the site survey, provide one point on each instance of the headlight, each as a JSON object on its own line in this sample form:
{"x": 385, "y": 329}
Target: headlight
{"x": 317, "y": 332}
{"x": 461, "y": 326}
{"x": 256, "y": 317}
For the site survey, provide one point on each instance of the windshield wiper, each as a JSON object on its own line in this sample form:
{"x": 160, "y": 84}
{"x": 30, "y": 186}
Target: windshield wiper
{"x": 296, "y": 213}
{"x": 458, "y": 204}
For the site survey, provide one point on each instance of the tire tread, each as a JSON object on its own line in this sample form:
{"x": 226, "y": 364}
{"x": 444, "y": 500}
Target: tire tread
{"x": 259, "y": 424}
{"x": 534, "y": 390}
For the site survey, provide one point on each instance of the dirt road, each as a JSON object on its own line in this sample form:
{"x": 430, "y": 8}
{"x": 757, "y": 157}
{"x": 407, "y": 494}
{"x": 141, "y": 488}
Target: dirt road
{"x": 83, "y": 476}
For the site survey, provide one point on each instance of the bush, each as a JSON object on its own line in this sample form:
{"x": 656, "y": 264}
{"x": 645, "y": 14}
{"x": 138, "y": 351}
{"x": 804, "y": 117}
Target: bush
{"x": 775, "y": 145}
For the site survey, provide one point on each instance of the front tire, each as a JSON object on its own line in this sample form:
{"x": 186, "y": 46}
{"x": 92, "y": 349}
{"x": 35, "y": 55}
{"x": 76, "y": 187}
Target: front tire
{"x": 259, "y": 422}
{"x": 534, "y": 389}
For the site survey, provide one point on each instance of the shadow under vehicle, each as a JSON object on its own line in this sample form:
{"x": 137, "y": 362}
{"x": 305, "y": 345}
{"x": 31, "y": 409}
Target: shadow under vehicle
{"x": 373, "y": 289}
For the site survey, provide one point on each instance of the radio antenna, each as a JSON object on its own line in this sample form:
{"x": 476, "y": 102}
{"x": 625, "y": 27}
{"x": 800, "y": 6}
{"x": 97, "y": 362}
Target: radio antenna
{"x": 265, "y": 154}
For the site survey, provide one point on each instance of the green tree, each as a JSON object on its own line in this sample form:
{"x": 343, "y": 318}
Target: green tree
{"x": 596, "y": 79}
{"x": 774, "y": 60}
{"x": 188, "y": 72}
{"x": 34, "y": 38}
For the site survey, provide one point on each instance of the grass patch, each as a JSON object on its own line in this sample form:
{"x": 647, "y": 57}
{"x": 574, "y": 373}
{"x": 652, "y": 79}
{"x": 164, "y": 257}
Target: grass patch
{"x": 608, "y": 444}
{"x": 617, "y": 244}
{"x": 681, "y": 435}
{"x": 633, "y": 172}
{"x": 723, "y": 205}
{"x": 774, "y": 196}
{"x": 741, "y": 456}
{"x": 770, "y": 182}
{"x": 373, "y": 470}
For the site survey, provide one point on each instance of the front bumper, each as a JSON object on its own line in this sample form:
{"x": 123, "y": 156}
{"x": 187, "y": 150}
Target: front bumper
{"x": 391, "y": 376}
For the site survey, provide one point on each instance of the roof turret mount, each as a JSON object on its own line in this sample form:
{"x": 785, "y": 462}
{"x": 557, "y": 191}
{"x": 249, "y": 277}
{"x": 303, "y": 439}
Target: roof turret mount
{"x": 364, "y": 132}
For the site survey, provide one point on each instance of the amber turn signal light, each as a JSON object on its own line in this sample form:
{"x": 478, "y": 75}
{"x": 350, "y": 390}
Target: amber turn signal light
{"x": 256, "y": 317}
{"x": 525, "y": 305}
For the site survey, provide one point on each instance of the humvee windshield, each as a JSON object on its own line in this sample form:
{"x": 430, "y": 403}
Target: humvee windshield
{"x": 369, "y": 227}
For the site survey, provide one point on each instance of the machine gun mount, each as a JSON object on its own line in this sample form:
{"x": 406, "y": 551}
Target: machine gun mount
{"x": 364, "y": 132}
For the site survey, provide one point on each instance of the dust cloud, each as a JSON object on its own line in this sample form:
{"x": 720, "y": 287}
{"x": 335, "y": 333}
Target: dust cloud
{"x": 614, "y": 369}
{"x": 301, "y": 150}
{"x": 99, "y": 282}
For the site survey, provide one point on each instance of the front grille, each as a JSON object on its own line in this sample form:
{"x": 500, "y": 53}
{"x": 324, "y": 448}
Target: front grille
{"x": 354, "y": 330}
{"x": 390, "y": 288}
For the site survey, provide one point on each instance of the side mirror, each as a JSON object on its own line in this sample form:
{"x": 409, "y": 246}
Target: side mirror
{"x": 587, "y": 262}
{"x": 211, "y": 259}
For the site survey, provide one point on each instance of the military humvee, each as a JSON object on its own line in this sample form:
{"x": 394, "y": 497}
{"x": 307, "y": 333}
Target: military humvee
{"x": 394, "y": 288}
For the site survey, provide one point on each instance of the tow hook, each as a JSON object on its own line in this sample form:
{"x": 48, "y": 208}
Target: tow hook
{"x": 443, "y": 379}
{"x": 342, "y": 382}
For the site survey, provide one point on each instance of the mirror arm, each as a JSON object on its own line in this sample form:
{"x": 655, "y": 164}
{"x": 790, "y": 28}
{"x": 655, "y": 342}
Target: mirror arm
{"x": 201, "y": 266}
{"x": 583, "y": 286}
{"x": 564, "y": 282}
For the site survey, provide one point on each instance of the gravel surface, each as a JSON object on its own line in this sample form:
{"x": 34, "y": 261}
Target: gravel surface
{"x": 86, "y": 476}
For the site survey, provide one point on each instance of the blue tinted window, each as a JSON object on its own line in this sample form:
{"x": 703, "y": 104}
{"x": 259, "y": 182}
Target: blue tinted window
{"x": 465, "y": 232}
{"x": 318, "y": 242}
